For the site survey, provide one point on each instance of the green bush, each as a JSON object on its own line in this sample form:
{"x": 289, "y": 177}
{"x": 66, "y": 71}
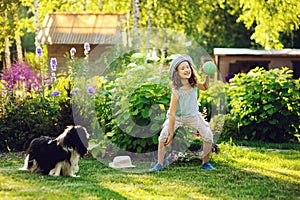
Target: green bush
{"x": 26, "y": 119}
{"x": 265, "y": 105}
{"x": 229, "y": 128}
{"x": 27, "y": 111}
{"x": 27, "y": 114}
{"x": 213, "y": 100}
{"x": 132, "y": 108}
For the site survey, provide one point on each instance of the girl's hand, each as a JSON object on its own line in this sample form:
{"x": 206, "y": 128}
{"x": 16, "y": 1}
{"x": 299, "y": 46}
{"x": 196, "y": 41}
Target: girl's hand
{"x": 196, "y": 78}
{"x": 207, "y": 76}
{"x": 169, "y": 140}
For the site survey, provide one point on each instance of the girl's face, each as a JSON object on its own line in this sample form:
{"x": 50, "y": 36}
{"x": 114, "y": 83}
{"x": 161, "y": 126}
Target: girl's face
{"x": 184, "y": 70}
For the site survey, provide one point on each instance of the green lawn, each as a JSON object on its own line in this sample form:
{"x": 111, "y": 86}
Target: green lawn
{"x": 240, "y": 174}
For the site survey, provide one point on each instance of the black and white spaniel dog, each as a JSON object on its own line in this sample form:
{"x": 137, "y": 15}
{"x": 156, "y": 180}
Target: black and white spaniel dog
{"x": 59, "y": 156}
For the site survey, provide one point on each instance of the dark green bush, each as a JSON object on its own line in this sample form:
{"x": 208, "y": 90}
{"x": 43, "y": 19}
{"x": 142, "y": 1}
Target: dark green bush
{"x": 26, "y": 113}
{"x": 229, "y": 129}
{"x": 265, "y": 105}
{"x": 213, "y": 100}
{"x": 39, "y": 113}
{"x": 25, "y": 119}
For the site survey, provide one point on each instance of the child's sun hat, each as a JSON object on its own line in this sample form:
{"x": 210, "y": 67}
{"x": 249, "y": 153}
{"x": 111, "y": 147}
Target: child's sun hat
{"x": 121, "y": 162}
{"x": 177, "y": 60}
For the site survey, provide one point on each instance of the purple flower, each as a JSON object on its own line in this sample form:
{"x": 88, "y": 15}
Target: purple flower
{"x": 75, "y": 91}
{"x": 228, "y": 77}
{"x": 55, "y": 93}
{"x": 72, "y": 51}
{"x": 20, "y": 75}
{"x": 173, "y": 156}
{"x": 91, "y": 90}
{"x": 53, "y": 61}
{"x": 53, "y": 64}
{"x": 87, "y": 46}
{"x": 53, "y": 79}
{"x": 39, "y": 51}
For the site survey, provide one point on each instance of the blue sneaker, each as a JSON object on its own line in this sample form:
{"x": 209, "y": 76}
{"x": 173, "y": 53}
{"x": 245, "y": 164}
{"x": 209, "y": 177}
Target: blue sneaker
{"x": 208, "y": 166}
{"x": 156, "y": 167}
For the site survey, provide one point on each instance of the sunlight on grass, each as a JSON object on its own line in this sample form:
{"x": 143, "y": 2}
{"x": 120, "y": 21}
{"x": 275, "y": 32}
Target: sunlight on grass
{"x": 280, "y": 165}
{"x": 9, "y": 188}
{"x": 240, "y": 174}
{"x": 149, "y": 187}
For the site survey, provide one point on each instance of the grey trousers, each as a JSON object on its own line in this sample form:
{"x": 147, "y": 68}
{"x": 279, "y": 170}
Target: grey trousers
{"x": 196, "y": 122}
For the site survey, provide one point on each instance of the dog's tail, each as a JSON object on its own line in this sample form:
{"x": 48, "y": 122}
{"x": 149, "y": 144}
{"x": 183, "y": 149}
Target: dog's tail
{"x": 26, "y": 161}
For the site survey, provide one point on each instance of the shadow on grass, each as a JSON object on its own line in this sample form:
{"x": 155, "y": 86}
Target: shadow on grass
{"x": 228, "y": 182}
{"x": 178, "y": 181}
{"x": 26, "y": 185}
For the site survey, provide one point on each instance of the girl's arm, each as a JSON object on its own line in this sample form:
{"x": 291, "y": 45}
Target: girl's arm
{"x": 173, "y": 104}
{"x": 202, "y": 85}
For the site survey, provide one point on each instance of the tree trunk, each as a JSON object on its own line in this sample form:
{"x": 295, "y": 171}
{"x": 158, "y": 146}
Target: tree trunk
{"x": 136, "y": 13}
{"x": 17, "y": 35}
{"x": 100, "y": 5}
{"x": 149, "y": 29}
{"x": 36, "y": 21}
{"x": 7, "y": 50}
{"x": 19, "y": 47}
{"x": 84, "y": 5}
{"x": 7, "y": 53}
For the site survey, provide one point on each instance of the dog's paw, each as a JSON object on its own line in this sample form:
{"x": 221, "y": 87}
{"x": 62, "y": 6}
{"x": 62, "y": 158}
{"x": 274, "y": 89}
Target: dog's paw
{"x": 53, "y": 173}
{"x": 23, "y": 169}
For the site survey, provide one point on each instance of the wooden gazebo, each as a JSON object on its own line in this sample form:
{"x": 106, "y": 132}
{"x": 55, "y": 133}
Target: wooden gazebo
{"x": 63, "y": 31}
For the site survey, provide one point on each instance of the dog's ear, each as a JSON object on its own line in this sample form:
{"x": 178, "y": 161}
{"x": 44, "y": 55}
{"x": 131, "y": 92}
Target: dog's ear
{"x": 70, "y": 136}
{"x": 77, "y": 138}
{"x": 83, "y": 136}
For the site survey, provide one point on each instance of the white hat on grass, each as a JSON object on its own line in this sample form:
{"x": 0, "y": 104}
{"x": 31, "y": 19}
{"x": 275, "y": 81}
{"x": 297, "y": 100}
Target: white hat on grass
{"x": 121, "y": 162}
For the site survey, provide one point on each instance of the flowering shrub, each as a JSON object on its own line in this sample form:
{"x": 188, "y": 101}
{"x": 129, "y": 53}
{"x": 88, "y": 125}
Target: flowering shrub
{"x": 21, "y": 78}
{"x": 28, "y": 108}
{"x": 38, "y": 61}
{"x": 32, "y": 106}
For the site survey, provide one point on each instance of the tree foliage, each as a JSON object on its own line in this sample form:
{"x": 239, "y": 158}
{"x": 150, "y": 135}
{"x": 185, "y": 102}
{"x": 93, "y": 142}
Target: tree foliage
{"x": 221, "y": 23}
{"x": 270, "y": 19}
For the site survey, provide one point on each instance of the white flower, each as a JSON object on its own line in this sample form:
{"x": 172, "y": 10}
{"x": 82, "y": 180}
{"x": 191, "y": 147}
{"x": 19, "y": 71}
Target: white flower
{"x": 173, "y": 56}
{"x": 131, "y": 65}
{"x": 137, "y": 55}
{"x": 180, "y": 154}
{"x": 154, "y": 56}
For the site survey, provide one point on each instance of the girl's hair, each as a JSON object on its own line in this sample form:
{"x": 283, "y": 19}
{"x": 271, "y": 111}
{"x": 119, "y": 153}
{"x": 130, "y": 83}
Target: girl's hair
{"x": 176, "y": 80}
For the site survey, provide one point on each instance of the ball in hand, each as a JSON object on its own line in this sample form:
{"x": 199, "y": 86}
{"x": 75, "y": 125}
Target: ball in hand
{"x": 209, "y": 67}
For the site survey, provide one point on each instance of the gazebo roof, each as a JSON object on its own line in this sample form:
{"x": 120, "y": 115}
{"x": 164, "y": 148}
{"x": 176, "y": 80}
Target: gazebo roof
{"x": 78, "y": 28}
{"x": 244, "y": 51}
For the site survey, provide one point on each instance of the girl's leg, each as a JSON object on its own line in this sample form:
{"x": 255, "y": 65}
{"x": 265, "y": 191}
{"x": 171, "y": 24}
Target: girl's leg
{"x": 199, "y": 123}
{"x": 207, "y": 146}
{"x": 164, "y": 134}
{"x": 161, "y": 153}
{"x": 161, "y": 143}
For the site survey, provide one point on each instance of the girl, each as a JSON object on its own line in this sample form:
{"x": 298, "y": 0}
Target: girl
{"x": 184, "y": 109}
